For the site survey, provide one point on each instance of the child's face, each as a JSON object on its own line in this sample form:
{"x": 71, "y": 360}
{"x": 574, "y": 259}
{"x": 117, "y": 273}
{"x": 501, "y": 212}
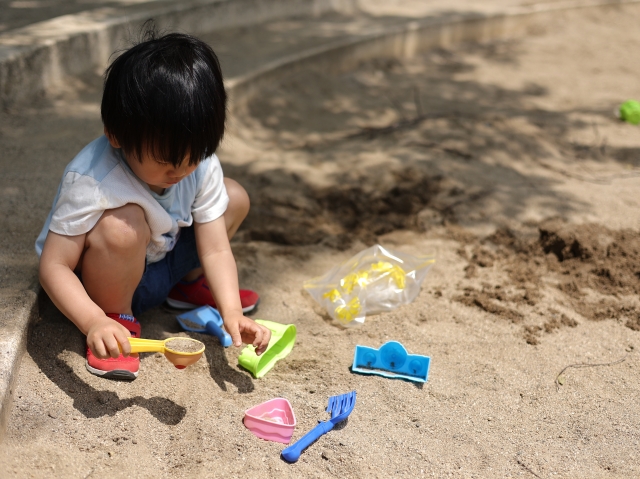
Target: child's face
{"x": 157, "y": 175}
{"x": 160, "y": 175}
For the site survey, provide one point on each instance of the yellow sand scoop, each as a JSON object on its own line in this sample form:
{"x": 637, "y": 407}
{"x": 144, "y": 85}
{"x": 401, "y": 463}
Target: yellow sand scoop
{"x": 182, "y": 352}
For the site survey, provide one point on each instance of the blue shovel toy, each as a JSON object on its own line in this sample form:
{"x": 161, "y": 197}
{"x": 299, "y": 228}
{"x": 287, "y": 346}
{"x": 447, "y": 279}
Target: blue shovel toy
{"x": 340, "y": 408}
{"x": 205, "y": 320}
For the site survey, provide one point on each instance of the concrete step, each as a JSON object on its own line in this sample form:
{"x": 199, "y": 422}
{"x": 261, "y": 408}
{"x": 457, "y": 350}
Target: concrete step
{"x": 39, "y": 57}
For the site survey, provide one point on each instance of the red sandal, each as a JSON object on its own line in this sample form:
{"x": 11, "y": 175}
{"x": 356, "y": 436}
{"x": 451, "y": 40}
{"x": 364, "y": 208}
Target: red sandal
{"x": 190, "y": 295}
{"x": 121, "y": 367}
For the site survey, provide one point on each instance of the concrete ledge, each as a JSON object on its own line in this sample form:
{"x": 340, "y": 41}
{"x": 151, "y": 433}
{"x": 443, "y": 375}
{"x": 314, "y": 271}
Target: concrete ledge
{"x": 40, "y": 56}
{"x": 409, "y": 39}
{"x": 17, "y": 310}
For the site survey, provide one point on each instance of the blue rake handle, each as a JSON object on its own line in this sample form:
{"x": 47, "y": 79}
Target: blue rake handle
{"x": 339, "y": 413}
{"x": 212, "y": 328}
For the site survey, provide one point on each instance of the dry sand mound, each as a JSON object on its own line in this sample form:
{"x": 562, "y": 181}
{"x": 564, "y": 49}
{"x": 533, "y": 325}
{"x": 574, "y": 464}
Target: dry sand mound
{"x": 596, "y": 269}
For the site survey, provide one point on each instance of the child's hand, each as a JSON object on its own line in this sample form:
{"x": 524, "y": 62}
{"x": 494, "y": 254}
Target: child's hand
{"x": 105, "y": 335}
{"x": 246, "y": 330}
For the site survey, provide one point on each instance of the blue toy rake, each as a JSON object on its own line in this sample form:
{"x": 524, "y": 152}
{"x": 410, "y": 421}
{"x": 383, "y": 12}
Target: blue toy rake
{"x": 340, "y": 407}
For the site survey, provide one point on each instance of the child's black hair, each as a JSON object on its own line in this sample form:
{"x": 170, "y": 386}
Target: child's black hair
{"x": 165, "y": 96}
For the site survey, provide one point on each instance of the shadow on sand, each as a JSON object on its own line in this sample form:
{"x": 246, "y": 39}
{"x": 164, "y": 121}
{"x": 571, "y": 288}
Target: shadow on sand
{"x": 53, "y": 337}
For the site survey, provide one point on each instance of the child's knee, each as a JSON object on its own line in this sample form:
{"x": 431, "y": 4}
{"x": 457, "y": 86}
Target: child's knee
{"x": 239, "y": 202}
{"x": 121, "y": 229}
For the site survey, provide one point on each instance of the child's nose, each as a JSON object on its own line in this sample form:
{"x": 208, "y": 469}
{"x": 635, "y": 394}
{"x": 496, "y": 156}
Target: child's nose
{"x": 179, "y": 172}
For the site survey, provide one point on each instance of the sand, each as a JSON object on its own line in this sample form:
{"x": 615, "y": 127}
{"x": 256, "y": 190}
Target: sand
{"x": 183, "y": 345}
{"x": 507, "y": 163}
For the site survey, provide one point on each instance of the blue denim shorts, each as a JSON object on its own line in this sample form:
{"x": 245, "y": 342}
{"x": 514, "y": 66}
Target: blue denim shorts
{"x": 158, "y": 278}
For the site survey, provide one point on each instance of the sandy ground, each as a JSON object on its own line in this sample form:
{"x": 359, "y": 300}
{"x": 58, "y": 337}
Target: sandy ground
{"x": 503, "y": 160}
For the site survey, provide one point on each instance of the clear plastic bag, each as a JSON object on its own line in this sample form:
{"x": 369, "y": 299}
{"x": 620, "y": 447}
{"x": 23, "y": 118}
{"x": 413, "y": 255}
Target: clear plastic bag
{"x": 374, "y": 280}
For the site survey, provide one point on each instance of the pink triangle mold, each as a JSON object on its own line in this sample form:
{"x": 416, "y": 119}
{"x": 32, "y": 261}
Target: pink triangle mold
{"x": 272, "y": 420}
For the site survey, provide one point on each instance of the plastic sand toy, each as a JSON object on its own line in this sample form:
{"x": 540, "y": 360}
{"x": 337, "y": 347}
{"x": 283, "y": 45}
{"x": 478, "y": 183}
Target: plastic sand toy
{"x": 272, "y": 420}
{"x": 181, "y": 352}
{"x": 340, "y": 407}
{"x": 375, "y": 280}
{"x": 283, "y": 337}
{"x": 630, "y": 112}
{"x": 205, "y": 320}
{"x": 391, "y": 361}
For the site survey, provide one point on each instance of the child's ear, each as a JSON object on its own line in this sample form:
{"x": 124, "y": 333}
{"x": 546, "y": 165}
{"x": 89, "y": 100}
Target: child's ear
{"x": 112, "y": 139}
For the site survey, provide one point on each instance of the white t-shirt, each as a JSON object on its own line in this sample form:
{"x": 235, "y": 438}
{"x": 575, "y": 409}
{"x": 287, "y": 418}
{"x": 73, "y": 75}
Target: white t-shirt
{"x": 99, "y": 179}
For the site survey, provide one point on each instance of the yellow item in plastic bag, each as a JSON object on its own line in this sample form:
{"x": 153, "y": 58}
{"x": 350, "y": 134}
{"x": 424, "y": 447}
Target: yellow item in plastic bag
{"x": 396, "y": 272}
{"x": 374, "y": 280}
{"x": 333, "y": 295}
{"x": 348, "y": 312}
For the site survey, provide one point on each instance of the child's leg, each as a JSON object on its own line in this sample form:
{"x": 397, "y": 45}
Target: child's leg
{"x": 238, "y": 208}
{"x": 237, "y": 211}
{"x": 114, "y": 258}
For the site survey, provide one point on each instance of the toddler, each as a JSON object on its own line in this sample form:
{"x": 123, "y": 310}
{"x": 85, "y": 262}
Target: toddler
{"x": 143, "y": 214}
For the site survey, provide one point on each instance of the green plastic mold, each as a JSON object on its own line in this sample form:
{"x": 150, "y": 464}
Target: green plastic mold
{"x": 283, "y": 337}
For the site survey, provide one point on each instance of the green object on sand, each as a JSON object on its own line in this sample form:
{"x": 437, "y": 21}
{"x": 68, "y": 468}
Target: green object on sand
{"x": 283, "y": 337}
{"x": 630, "y": 112}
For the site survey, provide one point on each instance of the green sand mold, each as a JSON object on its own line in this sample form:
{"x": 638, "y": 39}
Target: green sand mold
{"x": 283, "y": 337}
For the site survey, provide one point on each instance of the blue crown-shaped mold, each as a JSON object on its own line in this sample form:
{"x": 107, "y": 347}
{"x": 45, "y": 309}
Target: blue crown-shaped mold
{"x": 391, "y": 361}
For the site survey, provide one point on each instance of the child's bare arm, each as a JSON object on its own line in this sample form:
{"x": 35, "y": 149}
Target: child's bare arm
{"x": 221, "y": 273}
{"x": 60, "y": 256}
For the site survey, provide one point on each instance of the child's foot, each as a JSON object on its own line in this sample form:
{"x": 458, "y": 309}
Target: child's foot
{"x": 120, "y": 367}
{"x": 196, "y": 293}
